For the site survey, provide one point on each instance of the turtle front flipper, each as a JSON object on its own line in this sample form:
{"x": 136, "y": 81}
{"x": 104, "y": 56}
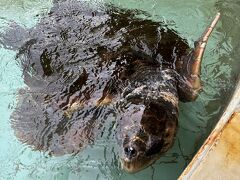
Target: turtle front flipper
{"x": 190, "y": 82}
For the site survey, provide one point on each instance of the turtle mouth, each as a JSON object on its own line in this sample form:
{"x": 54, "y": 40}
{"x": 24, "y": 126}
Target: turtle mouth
{"x": 137, "y": 164}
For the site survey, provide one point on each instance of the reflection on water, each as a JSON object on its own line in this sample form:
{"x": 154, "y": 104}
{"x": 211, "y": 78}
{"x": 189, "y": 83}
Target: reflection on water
{"x": 100, "y": 160}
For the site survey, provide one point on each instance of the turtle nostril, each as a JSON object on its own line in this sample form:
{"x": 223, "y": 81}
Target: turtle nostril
{"x": 130, "y": 152}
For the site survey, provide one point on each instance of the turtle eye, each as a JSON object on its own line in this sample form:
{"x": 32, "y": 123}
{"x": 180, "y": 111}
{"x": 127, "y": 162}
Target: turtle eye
{"x": 142, "y": 135}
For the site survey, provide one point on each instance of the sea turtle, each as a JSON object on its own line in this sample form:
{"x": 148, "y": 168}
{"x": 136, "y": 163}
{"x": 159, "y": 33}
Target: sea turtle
{"x": 83, "y": 64}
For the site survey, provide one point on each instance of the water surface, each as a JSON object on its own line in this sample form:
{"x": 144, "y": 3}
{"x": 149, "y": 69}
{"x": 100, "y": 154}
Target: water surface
{"x": 100, "y": 160}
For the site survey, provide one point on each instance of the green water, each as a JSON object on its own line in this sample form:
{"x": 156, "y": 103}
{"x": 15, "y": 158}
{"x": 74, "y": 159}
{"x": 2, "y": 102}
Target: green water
{"x": 100, "y": 161}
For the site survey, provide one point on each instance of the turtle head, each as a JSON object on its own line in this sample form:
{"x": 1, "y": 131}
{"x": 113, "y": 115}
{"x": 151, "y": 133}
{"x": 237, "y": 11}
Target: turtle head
{"x": 147, "y": 130}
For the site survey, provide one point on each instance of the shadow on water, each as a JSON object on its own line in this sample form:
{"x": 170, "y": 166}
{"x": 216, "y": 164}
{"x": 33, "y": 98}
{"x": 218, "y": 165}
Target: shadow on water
{"x": 69, "y": 66}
